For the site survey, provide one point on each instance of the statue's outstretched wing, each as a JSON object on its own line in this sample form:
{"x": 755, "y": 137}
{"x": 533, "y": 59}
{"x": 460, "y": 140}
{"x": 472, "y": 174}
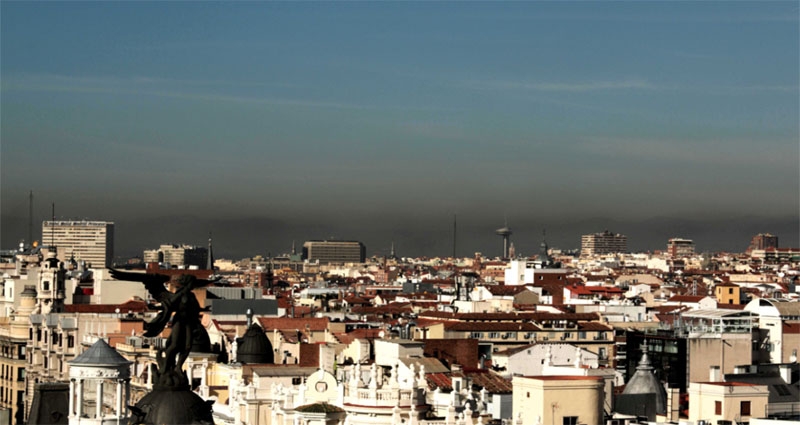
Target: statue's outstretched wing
{"x": 201, "y": 283}
{"x": 154, "y": 283}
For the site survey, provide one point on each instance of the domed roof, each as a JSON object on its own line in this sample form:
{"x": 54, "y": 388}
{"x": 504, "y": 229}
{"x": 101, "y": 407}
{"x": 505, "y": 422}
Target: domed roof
{"x": 645, "y": 382}
{"x": 100, "y": 354}
{"x": 321, "y": 407}
{"x": 254, "y": 347}
{"x": 172, "y": 408}
{"x": 29, "y": 292}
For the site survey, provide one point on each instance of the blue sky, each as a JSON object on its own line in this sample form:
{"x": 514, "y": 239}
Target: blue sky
{"x": 538, "y": 111}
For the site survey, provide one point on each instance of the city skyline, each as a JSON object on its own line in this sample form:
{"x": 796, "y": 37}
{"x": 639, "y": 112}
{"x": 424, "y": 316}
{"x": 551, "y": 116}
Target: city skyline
{"x": 272, "y": 122}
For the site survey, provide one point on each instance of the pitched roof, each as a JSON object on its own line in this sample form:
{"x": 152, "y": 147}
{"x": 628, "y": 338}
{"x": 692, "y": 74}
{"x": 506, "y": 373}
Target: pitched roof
{"x": 491, "y": 327}
{"x": 503, "y": 290}
{"x": 100, "y": 354}
{"x": 686, "y": 298}
{"x": 289, "y": 323}
{"x": 492, "y": 382}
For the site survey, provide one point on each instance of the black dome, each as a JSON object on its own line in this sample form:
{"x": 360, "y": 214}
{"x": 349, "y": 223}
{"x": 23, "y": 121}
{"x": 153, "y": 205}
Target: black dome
{"x": 254, "y": 347}
{"x": 171, "y": 407}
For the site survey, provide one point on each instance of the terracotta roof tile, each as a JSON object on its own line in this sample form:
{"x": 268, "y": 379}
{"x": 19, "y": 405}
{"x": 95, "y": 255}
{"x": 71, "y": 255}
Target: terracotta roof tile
{"x": 288, "y": 323}
{"x": 128, "y": 306}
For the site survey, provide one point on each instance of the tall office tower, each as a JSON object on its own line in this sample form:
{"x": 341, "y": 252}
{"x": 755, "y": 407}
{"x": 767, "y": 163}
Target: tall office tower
{"x": 178, "y": 255}
{"x": 763, "y": 241}
{"x": 335, "y": 251}
{"x": 90, "y": 241}
{"x": 678, "y": 248}
{"x": 603, "y": 243}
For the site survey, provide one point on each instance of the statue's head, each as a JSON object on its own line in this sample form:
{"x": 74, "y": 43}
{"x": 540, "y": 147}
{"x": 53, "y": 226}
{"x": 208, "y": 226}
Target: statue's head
{"x": 186, "y": 280}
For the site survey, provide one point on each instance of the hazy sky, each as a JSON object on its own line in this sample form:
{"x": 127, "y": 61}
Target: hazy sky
{"x": 379, "y": 121}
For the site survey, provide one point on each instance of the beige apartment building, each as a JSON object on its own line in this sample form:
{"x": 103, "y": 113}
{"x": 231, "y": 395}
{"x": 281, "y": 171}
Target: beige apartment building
{"x": 715, "y": 402}
{"x": 563, "y": 400}
{"x": 14, "y": 333}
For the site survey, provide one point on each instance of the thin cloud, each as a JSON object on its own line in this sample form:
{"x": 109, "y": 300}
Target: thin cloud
{"x": 601, "y": 86}
{"x": 150, "y": 86}
{"x": 575, "y": 87}
{"x": 122, "y": 86}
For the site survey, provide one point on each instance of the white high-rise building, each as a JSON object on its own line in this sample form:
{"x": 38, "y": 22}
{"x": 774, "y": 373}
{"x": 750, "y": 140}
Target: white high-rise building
{"x": 89, "y": 241}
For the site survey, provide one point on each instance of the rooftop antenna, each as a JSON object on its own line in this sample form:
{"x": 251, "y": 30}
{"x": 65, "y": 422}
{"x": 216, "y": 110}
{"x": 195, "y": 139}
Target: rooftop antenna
{"x": 30, "y": 219}
{"x": 53, "y": 225}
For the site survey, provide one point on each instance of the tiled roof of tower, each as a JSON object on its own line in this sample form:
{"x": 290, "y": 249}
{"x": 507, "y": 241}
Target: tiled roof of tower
{"x": 100, "y": 354}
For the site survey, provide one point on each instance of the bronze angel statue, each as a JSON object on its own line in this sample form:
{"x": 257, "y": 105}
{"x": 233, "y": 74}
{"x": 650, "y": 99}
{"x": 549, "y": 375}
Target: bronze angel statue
{"x": 182, "y": 309}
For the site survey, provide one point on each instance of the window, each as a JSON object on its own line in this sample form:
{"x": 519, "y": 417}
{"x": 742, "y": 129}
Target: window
{"x": 744, "y": 408}
{"x": 494, "y": 334}
{"x": 21, "y": 374}
{"x": 717, "y": 407}
{"x": 730, "y": 290}
{"x": 570, "y": 420}
{"x": 297, "y": 381}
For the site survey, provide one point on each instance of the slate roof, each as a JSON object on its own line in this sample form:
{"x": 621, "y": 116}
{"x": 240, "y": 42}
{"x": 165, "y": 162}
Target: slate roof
{"x": 100, "y": 354}
{"x": 50, "y": 404}
{"x": 645, "y": 382}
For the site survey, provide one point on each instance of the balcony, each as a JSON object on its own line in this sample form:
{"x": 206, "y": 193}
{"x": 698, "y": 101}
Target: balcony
{"x": 381, "y": 397}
